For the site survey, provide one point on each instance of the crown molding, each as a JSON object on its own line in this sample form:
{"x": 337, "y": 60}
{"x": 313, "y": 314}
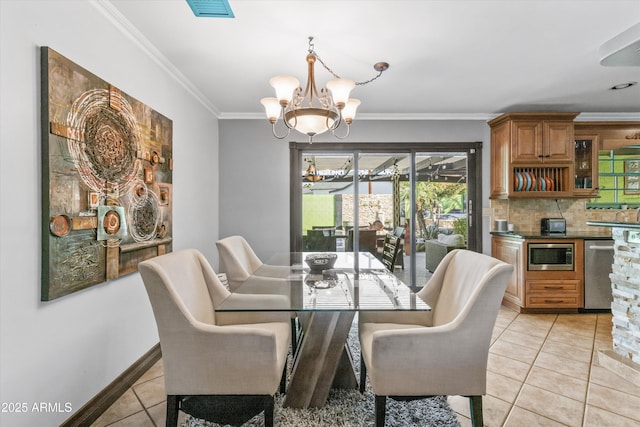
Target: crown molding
{"x": 608, "y": 117}
{"x": 582, "y": 117}
{"x": 106, "y": 8}
{"x": 379, "y": 117}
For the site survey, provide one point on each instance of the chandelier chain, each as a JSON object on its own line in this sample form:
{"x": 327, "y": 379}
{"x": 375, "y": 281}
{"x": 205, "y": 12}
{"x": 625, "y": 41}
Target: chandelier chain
{"x": 334, "y": 74}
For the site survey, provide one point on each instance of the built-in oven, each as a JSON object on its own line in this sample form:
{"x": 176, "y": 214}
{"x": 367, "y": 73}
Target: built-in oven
{"x": 550, "y": 256}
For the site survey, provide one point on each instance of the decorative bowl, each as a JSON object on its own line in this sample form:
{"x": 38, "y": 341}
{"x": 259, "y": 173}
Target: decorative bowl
{"x": 319, "y": 262}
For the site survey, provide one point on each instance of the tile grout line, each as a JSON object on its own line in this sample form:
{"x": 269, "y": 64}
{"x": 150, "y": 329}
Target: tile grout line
{"x": 513, "y": 405}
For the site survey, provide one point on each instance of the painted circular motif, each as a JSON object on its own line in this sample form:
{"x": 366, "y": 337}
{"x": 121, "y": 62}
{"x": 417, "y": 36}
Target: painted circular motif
{"x": 111, "y": 222}
{"x": 107, "y": 152}
{"x": 60, "y": 225}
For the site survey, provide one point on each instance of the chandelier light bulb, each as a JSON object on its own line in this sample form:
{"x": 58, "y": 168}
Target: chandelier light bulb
{"x": 284, "y": 86}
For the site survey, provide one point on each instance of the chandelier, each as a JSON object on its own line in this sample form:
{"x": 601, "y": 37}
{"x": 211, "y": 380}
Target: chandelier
{"x": 296, "y": 107}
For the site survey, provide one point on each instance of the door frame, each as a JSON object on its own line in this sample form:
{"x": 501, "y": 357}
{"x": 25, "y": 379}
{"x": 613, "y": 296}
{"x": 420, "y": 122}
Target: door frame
{"x": 474, "y": 180}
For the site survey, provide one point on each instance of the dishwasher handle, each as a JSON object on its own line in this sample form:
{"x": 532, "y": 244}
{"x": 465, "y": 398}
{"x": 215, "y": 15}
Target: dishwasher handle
{"x": 601, "y": 248}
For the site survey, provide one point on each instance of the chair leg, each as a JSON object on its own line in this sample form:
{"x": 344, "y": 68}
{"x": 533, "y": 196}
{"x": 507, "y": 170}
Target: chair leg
{"x": 363, "y": 374}
{"x": 294, "y": 336}
{"x": 283, "y": 380}
{"x": 381, "y": 408}
{"x": 268, "y": 413}
{"x": 476, "y": 411}
{"x": 172, "y": 410}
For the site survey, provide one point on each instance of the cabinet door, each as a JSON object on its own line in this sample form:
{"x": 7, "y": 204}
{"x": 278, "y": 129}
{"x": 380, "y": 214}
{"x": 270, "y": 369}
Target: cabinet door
{"x": 557, "y": 140}
{"x": 553, "y": 293}
{"x": 526, "y": 142}
{"x": 500, "y": 176}
{"x": 510, "y": 251}
{"x": 586, "y": 166}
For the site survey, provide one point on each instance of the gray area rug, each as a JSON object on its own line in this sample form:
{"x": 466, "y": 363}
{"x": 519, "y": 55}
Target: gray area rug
{"x": 349, "y": 408}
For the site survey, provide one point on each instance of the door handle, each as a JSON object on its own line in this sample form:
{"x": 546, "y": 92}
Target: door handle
{"x": 601, "y": 248}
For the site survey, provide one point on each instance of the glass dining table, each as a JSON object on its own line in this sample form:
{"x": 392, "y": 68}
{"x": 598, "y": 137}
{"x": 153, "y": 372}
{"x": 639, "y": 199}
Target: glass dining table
{"x": 326, "y": 303}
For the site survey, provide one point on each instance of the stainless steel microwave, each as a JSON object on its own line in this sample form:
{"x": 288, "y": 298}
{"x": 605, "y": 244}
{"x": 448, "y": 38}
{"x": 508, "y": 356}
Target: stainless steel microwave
{"x": 550, "y": 256}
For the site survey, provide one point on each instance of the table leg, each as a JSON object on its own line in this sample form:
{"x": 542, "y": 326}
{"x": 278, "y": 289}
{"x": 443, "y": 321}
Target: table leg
{"x": 322, "y": 360}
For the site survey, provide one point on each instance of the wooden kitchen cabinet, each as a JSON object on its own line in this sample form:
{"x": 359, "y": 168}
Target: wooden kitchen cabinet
{"x": 532, "y": 155}
{"x": 511, "y": 251}
{"x": 540, "y": 291}
{"x": 541, "y": 141}
{"x": 554, "y": 293}
{"x": 586, "y": 165}
{"x": 593, "y": 180}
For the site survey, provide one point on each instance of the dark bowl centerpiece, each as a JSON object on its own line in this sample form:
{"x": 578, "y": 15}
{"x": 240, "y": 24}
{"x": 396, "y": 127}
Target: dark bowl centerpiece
{"x": 319, "y": 262}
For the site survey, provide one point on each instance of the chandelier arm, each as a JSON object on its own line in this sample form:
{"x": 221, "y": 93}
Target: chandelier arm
{"x": 273, "y": 130}
{"x": 333, "y": 131}
{"x": 336, "y": 123}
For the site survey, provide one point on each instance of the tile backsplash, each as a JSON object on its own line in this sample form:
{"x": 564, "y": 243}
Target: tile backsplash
{"x": 525, "y": 214}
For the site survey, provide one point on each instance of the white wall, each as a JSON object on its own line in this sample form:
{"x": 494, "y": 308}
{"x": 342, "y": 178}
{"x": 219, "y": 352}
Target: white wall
{"x": 69, "y": 349}
{"x": 254, "y": 176}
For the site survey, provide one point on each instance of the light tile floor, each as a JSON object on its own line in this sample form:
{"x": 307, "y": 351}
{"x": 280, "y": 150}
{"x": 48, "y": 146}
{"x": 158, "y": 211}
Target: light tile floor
{"x": 542, "y": 371}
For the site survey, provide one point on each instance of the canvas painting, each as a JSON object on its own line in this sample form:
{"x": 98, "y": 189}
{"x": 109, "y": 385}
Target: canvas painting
{"x": 107, "y": 168}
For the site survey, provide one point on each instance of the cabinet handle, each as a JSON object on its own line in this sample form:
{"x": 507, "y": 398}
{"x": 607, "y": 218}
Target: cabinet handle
{"x": 553, "y": 301}
{"x": 553, "y": 287}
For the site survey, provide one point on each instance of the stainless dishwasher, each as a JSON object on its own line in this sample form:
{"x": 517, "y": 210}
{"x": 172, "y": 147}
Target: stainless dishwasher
{"x": 598, "y": 257}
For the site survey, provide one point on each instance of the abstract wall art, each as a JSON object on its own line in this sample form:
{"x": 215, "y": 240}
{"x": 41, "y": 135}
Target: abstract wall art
{"x": 107, "y": 167}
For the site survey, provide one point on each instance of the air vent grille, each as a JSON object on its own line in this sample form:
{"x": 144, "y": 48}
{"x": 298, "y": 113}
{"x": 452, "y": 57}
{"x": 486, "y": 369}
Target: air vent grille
{"x": 211, "y": 8}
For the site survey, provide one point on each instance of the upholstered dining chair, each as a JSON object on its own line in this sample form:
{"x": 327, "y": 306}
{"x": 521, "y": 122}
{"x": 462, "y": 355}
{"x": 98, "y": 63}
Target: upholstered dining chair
{"x": 219, "y": 366}
{"x": 413, "y": 355}
{"x": 239, "y": 261}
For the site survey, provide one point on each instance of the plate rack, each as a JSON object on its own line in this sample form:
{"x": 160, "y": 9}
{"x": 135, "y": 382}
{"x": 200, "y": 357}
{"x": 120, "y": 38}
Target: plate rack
{"x": 540, "y": 180}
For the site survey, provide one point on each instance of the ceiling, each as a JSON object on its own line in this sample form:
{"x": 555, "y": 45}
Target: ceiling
{"x": 448, "y": 59}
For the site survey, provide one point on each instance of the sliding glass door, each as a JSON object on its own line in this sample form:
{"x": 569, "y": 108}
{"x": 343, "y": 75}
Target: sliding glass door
{"x": 347, "y": 197}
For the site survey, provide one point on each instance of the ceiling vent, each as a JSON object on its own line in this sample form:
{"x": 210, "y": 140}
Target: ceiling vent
{"x": 211, "y": 8}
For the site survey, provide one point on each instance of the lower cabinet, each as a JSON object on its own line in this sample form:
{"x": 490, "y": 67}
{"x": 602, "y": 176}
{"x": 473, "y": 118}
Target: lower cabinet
{"x": 553, "y": 293}
{"x": 546, "y": 291}
{"x": 511, "y": 251}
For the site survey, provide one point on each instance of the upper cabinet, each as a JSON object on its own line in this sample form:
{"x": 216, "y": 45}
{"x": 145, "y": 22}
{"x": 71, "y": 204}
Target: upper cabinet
{"x": 585, "y": 164}
{"x": 607, "y": 156}
{"x": 532, "y": 155}
{"x": 541, "y": 141}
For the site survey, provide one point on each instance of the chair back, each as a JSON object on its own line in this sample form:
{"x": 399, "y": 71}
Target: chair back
{"x": 237, "y": 259}
{"x": 182, "y": 289}
{"x": 366, "y": 240}
{"x": 469, "y": 278}
{"x": 390, "y": 251}
{"x": 320, "y": 240}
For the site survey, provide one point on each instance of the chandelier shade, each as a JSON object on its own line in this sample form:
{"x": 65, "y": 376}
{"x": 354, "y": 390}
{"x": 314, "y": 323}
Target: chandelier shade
{"x": 296, "y": 108}
{"x": 284, "y": 86}
{"x": 311, "y": 121}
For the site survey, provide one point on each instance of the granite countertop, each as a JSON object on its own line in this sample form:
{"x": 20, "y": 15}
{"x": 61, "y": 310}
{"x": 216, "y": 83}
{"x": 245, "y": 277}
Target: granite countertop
{"x": 595, "y": 235}
{"x": 614, "y": 224}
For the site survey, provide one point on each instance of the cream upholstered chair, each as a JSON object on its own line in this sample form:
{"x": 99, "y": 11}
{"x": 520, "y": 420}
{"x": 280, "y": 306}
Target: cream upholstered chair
{"x": 412, "y": 355}
{"x": 239, "y": 261}
{"x": 213, "y": 359}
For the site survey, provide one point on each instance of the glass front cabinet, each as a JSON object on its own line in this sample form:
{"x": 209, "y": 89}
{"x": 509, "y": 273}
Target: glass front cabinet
{"x": 586, "y": 165}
